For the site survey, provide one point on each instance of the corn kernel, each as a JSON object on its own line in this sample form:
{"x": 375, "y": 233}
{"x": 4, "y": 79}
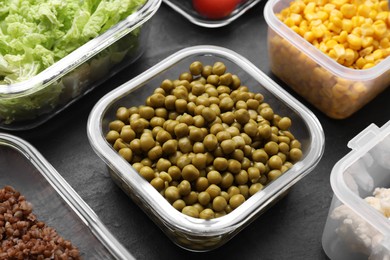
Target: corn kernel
{"x": 296, "y": 18}
{"x": 297, "y": 7}
{"x": 360, "y": 62}
{"x": 332, "y": 27}
{"x": 369, "y": 58}
{"x": 329, "y": 7}
{"x": 357, "y": 21}
{"x": 332, "y": 54}
{"x": 319, "y": 31}
{"x": 379, "y": 29}
{"x": 330, "y": 44}
{"x": 309, "y": 36}
{"x": 363, "y": 10}
{"x": 378, "y": 54}
{"x": 322, "y": 47}
{"x": 340, "y": 50}
{"x": 289, "y": 22}
{"x": 309, "y": 8}
{"x": 348, "y": 10}
{"x": 323, "y": 16}
{"x": 343, "y": 37}
{"x": 368, "y": 65}
{"x": 349, "y": 56}
{"x": 336, "y": 20}
{"x": 338, "y": 3}
{"x": 366, "y": 29}
{"x": 296, "y": 29}
{"x": 347, "y": 25}
{"x": 366, "y": 51}
{"x": 384, "y": 5}
{"x": 382, "y": 16}
{"x": 373, "y": 14}
{"x": 367, "y": 41}
{"x": 359, "y": 88}
{"x": 354, "y": 41}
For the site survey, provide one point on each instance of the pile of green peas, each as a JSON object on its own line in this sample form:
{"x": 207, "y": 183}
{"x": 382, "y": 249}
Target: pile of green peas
{"x": 204, "y": 141}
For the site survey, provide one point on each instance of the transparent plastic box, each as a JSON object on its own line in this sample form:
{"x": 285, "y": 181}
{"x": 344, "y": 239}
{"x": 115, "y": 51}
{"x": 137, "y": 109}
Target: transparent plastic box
{"x": 355, "y": 229}
{"x": 54, "y": 201}
{"x": 184, "y": 7}
{"x": 188, "y": 232}
{"x": 30, "y": 103}
{"x": 334, "y": 89}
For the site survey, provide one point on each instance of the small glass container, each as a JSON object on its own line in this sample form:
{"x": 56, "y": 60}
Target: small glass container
{"x": 54, "y": 201}
{"x": 188, "y": 232}
{"x": 32, "y": 102}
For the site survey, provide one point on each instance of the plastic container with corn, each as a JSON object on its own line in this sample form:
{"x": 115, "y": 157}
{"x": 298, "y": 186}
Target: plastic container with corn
{"x": 339, "y": 50}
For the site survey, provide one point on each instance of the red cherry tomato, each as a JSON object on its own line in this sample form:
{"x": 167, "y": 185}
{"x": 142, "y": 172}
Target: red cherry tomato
{"x": 215, "y": 9}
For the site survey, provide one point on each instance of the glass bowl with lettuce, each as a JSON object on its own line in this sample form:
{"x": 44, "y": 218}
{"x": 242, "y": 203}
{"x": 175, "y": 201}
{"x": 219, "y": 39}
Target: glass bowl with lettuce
{"x": 52, "y": 52}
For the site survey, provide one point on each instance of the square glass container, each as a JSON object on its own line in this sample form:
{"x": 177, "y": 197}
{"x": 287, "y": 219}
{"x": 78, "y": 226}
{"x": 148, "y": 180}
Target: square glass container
{"x": 184, "y": 7}
{"x": 188, "y": 232}
{"x": 54, "y": 201}
{"x": 334, "y": 89}
{"x": 32, "y": 102}
{"x": 355, "y": 229}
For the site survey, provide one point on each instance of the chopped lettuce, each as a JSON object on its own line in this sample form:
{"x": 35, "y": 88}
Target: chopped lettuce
{"x": 34, "y": 34}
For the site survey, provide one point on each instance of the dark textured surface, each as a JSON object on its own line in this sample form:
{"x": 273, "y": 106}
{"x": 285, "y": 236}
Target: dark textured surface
{"x": 292, "y": 229}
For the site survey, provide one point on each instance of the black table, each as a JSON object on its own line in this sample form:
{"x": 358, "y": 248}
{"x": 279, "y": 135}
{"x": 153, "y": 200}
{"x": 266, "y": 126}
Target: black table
{"x": 291, "y": 229}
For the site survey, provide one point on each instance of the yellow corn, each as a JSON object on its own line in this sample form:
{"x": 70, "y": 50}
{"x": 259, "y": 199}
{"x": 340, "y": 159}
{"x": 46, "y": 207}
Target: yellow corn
{"x": 355, "y": 42}
{"x": 348, "y": 10}
{"x": 380, "y": 29}
{"x": 319, "y": 30}
{"x": 297, "y": 7}
{"x": 367, "y": 41}
{"x": 309, "y": 36}
{"x": 339, "y": 50}
{"x": 366, "y": 29}
{"x": 331, "y": 43}
{"x": 338, "y": 3}
{"x": 382, "y": 16}
{"x": 368, "y": 65}
{"x": 363, "y": 10}
{"x": 349, "y": 57}
{"x": 384, "y": 43}
{"x": 356, "y": 33}
{"x": 378, "y": 54}
{"x": 329, "y": 7}
{"x": 384, "y": 5}
{"x": 347, "y": 25}
{"x": 360, "y": 62}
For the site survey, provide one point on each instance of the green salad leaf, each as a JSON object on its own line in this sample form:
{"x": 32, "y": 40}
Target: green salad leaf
{"x": 34, "y": 34}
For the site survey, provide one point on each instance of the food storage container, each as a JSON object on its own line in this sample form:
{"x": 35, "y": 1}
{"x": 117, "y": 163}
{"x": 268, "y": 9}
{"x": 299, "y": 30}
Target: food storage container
{"x": 54, "y": 201}
{"x": 354, "y": 229}
{"x": 334, "y": 89}
{"x": 186, "y": 9}
{"x": 188, "y": 232}
{"x": 27, "y": 104}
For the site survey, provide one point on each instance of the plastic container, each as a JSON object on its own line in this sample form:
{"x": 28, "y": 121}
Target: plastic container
{"x": 334, "y": 89}
{"x": 30, "y": 103}
{"x": 188, "y": 232}
{"x": 184, "y": 7}
{"x": 354, "y": 229}
{"x": 54, "y": 201}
